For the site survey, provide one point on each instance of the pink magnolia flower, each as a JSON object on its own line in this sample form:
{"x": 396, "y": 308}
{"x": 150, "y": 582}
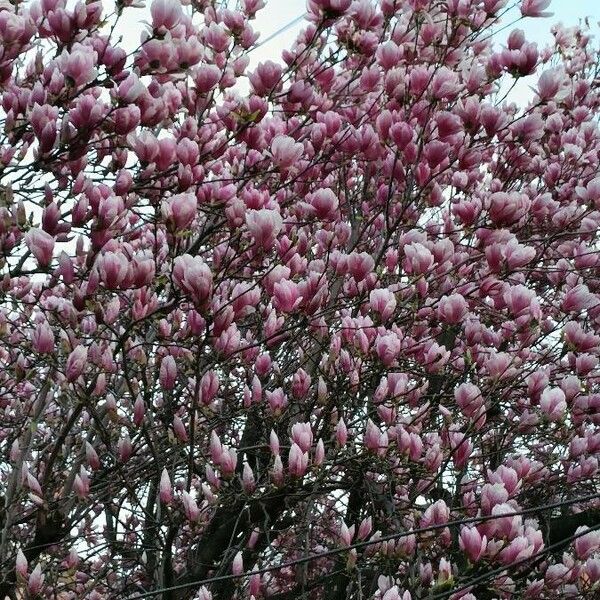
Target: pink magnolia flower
{"x": 387, "y": 348}
{"x": 206, "y": 78}
{"x": 277, "y": 471}
{"x": 285, "y": 151}
{"x": 360, "y": 264}
{"x": 592, "y": 569}
{"x": 491, "y": 495}
{"x": 383, "y": 301}
{"x": 505, "y": 524}
{"x": 237, "y": 567}
{"x": 469, "y": 399}
{"x": 553, "y": 403}
{"x": 228, "y": 461}
{"x": 393, "y": 594}
{"x": 556, "y": 575}
{"x": 190, "y": 507}
{"x": 341, "y": 433}
{"x": 302, "y": 435}
{"x": 180, "y": 210}
{"x": 21, "y": 565}
{"x": 549, "y": 83}
{"x": 297, "y": 461}
{"x": 179, "y": 429}
{"x": 78, "y": 65}
{"x": 113, "y": 268}
{"x": 248, "y": 481}
{"x": 445, "y": 83}
{"x": 535, "y": 8}
{"x": 42, "y": 338}
{"x": 277, "y": 400}
{"x": 586, "y": 544}
{"x": 266, "y": 77}
{"x": 452, "y": 309}
{"x": 286, "y": 296}
{"x": 462, "y": 448}
{"x": 165, "y": 489}
{"x": 578, "y": 298}
{"x": 506, "y": 476}
{"x": 374, "y": 439}
{"x": 264, "y": 225}
{"x": 418, "y": 259}
{"x": 437, "y": 513}
{"x": 168, "y": 372}
{"x": 194, "y": 277}
{"x": 92, "y": 456}
{"x": 35, "y": 581}
{"x": 41, "y": 245}
{"x": 251, "y": 7}
{"x": 165, "y": 13}
{"x": 472, "y": 543}
{"x": 324, "y": 203}
{"x": 76, "y": 363}
{"x": 319, "y": 455}
{"x": 518, "y": 549}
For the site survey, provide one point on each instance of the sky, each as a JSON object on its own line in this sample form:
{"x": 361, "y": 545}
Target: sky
{"x": 278, "y": 13}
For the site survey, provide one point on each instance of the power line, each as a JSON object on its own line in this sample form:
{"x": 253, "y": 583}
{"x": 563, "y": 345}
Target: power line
{"x": 284, "y": 28}
{"x": 385, "y": 538}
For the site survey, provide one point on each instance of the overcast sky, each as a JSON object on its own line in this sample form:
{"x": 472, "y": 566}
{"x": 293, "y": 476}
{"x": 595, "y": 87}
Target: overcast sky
{"x": 279, "y": 13}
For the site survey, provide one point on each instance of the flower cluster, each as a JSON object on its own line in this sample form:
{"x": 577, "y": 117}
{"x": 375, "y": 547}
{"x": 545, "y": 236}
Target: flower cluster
{"x": 335, "y": 337}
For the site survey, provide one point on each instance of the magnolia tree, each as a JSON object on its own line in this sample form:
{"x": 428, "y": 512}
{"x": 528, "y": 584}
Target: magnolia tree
{"x": 327, "y": 328}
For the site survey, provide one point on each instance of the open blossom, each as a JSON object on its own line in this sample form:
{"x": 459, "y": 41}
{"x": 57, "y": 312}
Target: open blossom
{"x": 79, "y": 64}
{"x": 535, "y": 8}
{"x": 578, "y": 298}
{"x": 286, "y": 152}
{"x": 553, "y": 403}
{"x": 419, "y": 259}
{"x": 518, "y": 549}
{"x": 452, "y": 308}
{"x": 360, "y": 265}
{"x": 322, "y": 325}
{"x": 193, "y": 276}
{"x": 266, "y": 77}
{"x": 165, "y": 13}
{"x": 324, "y": 203}
{"x": 549, "y": 83}
{"x": 388, "y": 348}
{"x": 286, "y": 295}
{"x": 302, "y": 435}
{"x": 264, "y": 225}
{"x": 383, "y": 301}
{"x": 588, "y": 543}
{"x": 180, "y": 209}
{"x": 113, "y": 268}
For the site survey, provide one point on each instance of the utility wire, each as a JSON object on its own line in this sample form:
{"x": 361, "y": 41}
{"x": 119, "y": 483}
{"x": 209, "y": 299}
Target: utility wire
{"x": 386, "y": 538}
{"x": 284, "y": 28}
